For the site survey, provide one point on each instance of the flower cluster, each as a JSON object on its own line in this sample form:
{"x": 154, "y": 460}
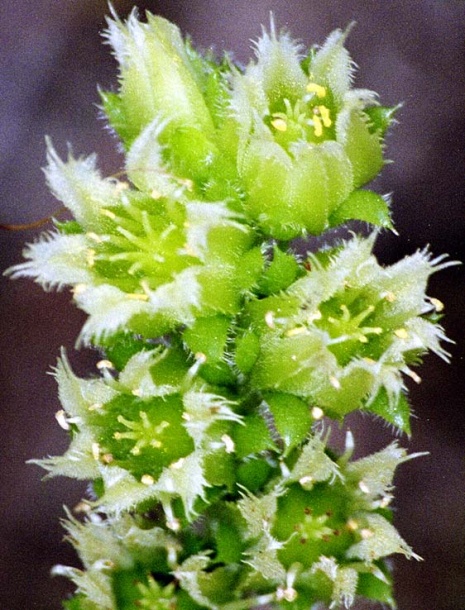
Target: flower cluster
{"x": 213, "y": 486}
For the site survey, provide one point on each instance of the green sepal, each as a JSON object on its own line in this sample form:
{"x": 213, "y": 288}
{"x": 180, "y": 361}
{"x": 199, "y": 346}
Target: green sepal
{"x": 381, "y": 118}
{"x": 249, "y": 269}
{"x": 252, "y": 437}
{"x": 171, "y": 369}
{"x": 185, "y": 602}
{"x": 279, "y": 274}
{"x": 253, "y": 474}
{"x": 363, "y": 205}
{"x": 79, "y": 602}
{"x": 208, "y": 336}
{"x": 226, "y": 527}
{"x": 120, "y": 348}
{"x": 291, "y": 417}
{"x": 113, "y": 108}
{"x": 371, "y": 587}
{"x": 247, "y": 350}
{"x": 363, "y": 148}
{"x": 395, "y": 410}
{"x": 190, "y": 153}
{"x": 218, "y": 373}
{"x": 69, "y": 227}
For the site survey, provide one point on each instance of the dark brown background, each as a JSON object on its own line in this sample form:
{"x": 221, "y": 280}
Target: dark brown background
{"x": 51, "y": 60}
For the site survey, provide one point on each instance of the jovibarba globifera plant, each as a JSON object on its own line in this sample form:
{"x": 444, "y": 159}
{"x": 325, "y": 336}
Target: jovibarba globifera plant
{"x": 213, "y": 485}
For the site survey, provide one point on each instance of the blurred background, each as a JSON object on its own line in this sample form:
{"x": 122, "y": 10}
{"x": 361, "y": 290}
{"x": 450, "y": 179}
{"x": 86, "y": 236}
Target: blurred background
{"x": 51, "y": 61}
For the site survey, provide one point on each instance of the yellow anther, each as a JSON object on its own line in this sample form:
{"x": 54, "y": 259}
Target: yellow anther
{"x": 104, "y": 364}
{"x": 279, "y": 124}
{"x": 390, "y": 297}
{"x": 318, "y": 89}
{"x": 200, "y": 357}
{"x": 334, "y": 381}
{"x": 416, "y": 378}
{"x": 385, "y": 501}
{"x": 352, "y": 525}
{"x": 107, "y": 213}
{"x": 364, "y": 487}
{"x": 107, "y": 458}
{"x": 298, "y": 330}
{"x": 314, "y": 316}
{"x": 96, "y": 451}
{"x": 324, "y": 112}
{"x": 401, "y": 333}
{"x": 317, "y": 413}
{"x": 269, "y": 319}
{"x": 306, "y": 481}
{"x": 94, "y": 237}
{"x": 90, "y": 257}
{"x": 147, "y": 479}
{"x": 289, "y": 594}
{"x": 317, "y": 125}
{"x": 437, "y": 304}
{"x": 82, "y": 507}
{"x": 60, "y": 416}
{"x": 79, "y": 289}
{"x": 228, "y": 443}
{"x": 179, "y": 464}
{"x": 121, "y": 186}
{"x": 174, "y": 525}
{"x": 155, "y": 194}
{"x": 187, "y": 183}
{"x": 137, "y": 296}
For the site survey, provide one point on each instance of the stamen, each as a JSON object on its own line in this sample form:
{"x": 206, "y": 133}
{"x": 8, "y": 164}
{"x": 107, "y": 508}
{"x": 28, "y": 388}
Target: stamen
{"x": 147, "y": 479}
{"x": 318, "y": 89}
{"x": 279, "y": 124}
{"x": 324, "y": 112}
{"x": 317, "y": 125}
{"x": 107, "y": 213}
{"x": 60, "y": 416}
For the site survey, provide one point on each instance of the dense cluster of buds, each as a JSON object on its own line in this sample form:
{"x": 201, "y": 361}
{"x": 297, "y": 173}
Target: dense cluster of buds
{"x": 213, "y": 483}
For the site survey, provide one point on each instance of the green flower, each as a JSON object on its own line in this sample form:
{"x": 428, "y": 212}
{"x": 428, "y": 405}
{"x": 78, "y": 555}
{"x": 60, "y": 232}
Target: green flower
{"x": 306, "y": 139}
{"x": 344, "y": 335}
{"x": 137, "y": 260}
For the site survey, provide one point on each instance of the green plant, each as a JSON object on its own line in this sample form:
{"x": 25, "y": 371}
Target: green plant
{"x": 213, "y": 482}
